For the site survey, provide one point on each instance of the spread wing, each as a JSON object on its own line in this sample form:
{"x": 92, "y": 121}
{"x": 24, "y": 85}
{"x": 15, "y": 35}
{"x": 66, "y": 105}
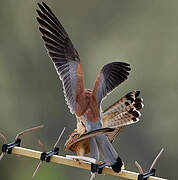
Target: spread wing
{"x": 111, "y": 76}
{"x": 62, "y": 53}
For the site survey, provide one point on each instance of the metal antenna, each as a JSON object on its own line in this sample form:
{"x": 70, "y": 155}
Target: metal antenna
{"x": 156, "y": 159}
{"x": 139, "y": 167}
{"x": 8, "y": 147}
{"x": 4, "y": 140}
{"x": 42, "y": 147}
{"x": 93, "y": 175}
{"x": 59, "y": 137}
{"x": 27, "y": 131}
{"x": 36, "y": 170}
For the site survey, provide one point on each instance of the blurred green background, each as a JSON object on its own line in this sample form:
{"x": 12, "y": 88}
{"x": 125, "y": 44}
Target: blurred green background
{"x": 142, "y": 33}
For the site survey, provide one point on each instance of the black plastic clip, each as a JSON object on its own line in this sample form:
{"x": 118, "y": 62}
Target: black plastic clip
{"x": 97, "y": 168}
{"x": 46, "y": 156}
{"x": 146, "y": 175}
{"x": 8, "y": 147}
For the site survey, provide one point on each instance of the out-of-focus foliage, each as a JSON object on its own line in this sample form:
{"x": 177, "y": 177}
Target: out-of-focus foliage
{"x": 142, "y": 33}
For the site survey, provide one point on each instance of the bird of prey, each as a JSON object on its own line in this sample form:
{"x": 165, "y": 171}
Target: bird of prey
{"x": 123, "y": 112}
{"x": 84, "y": 103}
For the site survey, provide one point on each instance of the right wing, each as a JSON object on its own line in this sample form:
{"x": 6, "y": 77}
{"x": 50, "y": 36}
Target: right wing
{"x": 62, "y": 53}
{"x": 110, "y": 76}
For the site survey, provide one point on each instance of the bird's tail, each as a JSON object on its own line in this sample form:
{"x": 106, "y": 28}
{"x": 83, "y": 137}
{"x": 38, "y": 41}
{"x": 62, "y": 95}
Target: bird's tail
{"x": 102, "y": 144}
{"x": 123, "y": 112}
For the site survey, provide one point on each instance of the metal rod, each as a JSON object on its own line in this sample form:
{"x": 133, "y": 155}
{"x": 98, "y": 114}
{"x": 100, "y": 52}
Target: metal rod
{"x": 28, "y": 131}
{"x": 59, "y": 138}
{"x": 4, "y": 140}
{"x": 155, "y": 160}
{"x": 83, "y": 165}
{"x": 36, "y": 170}
{"x": 139, "y": 167}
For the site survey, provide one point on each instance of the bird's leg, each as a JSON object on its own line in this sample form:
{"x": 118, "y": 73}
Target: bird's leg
{"x": 94, "y": 151}
{"x": 110, "y": 156}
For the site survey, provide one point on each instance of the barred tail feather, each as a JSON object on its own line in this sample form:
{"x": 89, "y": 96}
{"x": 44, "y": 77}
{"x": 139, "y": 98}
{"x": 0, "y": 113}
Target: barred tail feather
{"x": 127, "y": 102}
{"x": 123, "y": 112}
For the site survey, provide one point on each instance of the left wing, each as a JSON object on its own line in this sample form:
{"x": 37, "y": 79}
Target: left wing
{"x": 111, "y": 75}
{"x": 62, "y": 53}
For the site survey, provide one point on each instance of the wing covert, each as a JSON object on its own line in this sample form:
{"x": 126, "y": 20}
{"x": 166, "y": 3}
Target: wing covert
{"x": 62, "y": 53}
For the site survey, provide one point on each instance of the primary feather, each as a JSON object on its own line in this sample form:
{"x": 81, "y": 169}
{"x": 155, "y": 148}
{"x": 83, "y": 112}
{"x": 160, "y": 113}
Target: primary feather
{"x": 62, "y": 53}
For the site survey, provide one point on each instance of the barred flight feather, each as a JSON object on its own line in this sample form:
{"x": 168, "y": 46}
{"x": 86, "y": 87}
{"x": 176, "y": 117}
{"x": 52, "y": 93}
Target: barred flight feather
{"x": 62, "y": 53}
